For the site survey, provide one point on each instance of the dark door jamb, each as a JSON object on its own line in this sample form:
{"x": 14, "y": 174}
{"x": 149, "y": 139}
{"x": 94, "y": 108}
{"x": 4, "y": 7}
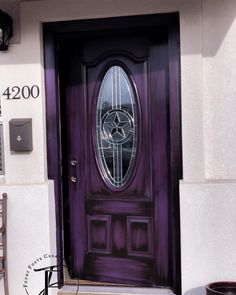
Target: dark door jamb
{"x": 63, "y": 30}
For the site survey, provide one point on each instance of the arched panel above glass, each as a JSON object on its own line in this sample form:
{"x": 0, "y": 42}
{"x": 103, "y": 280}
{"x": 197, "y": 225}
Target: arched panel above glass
{"x": 116, "y": 126}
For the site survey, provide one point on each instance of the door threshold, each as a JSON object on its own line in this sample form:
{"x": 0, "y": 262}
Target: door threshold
{"x": 106, "y": 290}
{"x": 75, "y": 282}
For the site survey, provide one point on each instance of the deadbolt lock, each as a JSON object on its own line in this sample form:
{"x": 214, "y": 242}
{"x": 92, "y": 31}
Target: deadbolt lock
{"x": 73, "y": 179}
{"x": 73, "y": 162}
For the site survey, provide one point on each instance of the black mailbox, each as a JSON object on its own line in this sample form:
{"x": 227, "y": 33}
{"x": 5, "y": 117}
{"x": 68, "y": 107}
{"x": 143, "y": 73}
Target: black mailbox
{"x": 21, "y": 135}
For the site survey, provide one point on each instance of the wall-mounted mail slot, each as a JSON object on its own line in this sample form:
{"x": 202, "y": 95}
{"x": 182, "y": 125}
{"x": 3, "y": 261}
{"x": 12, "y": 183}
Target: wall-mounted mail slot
{"x": 21, "y": 135}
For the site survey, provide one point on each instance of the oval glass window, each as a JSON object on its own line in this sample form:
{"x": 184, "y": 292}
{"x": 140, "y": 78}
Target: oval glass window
{"x": 116, "y": 126}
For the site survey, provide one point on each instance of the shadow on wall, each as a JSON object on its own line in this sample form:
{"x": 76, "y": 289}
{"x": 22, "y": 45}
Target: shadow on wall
{"x": 217, "y": 18}
{"x": 196, "y": 291}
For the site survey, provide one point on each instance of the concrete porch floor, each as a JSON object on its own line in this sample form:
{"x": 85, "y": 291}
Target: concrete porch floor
{"x": 110, "y": 290}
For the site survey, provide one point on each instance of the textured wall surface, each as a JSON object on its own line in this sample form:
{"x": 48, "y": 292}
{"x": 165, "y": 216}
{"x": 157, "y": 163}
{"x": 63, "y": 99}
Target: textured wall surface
{"x": 208, "y": 223}
{"x": 219, "y": 88}
{"x": 30, "y": 235}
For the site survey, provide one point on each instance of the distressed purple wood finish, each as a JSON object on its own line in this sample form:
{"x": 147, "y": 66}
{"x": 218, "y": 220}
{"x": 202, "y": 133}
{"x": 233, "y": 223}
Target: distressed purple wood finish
{"x": 76, "y": 139}
{"x": 99, "y": 234}
{"x": 159, "y": 109}
{"x": 82, "y": 102}
{"x": 140, "y": 236}
{"x": 175, "y": 151}
{"x": 141, "y": 270}
{"x": 53, "y": 140}
{"x": 119, "y": 207}
{"x": 169, "y": 21}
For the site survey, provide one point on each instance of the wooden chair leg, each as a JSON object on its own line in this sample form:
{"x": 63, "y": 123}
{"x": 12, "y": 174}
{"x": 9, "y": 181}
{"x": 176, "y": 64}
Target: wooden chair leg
{"x": 4, "y": 244}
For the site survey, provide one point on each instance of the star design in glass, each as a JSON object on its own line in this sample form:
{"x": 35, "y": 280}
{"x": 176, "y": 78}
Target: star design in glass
{"x": 117, "y": 126}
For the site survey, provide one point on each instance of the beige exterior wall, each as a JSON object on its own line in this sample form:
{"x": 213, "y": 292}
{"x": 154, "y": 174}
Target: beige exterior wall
{"x": 208, "y": 75}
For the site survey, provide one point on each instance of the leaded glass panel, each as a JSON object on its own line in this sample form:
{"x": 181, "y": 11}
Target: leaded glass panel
{"x": 116, "y": 126}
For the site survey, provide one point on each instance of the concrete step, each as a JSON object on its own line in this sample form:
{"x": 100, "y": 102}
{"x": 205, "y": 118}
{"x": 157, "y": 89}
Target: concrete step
{"x": 108, "y": 290}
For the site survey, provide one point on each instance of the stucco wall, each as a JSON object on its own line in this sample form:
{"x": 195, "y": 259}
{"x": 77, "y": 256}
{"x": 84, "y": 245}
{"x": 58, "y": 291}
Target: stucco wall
{"x": 219, "y": 88}
{"x": 31, "y": 220}
{"x": 208, "y": 209}
{"x": 208, "y": 72}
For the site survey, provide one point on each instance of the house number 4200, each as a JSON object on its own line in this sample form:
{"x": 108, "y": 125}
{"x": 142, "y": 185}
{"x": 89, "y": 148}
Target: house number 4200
{"x": 25, "y": 92}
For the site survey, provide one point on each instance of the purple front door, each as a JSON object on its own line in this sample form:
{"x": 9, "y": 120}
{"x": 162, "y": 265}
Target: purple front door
{"x": 117, "y": 141}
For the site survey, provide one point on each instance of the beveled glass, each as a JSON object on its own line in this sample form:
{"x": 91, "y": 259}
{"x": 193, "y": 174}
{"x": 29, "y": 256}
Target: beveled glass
{"x": 116, "y": 126}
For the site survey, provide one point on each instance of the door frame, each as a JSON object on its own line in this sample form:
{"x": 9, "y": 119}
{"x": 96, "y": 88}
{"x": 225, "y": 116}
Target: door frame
{"x": 55, "y": 31}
